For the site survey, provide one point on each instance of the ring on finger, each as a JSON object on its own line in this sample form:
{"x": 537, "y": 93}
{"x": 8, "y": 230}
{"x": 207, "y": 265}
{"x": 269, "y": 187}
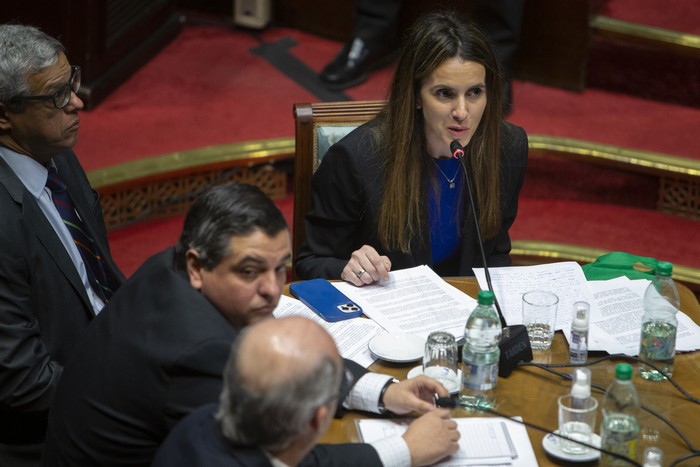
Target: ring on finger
{"x": 359, "y": 273}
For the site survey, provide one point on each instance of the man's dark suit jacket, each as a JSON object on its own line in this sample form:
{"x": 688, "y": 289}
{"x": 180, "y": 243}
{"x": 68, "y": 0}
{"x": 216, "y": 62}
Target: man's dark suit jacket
{"x": 155, "y": 354}
{"x": 197, "y": 441}
{"x": 44, "y": 307}
{"x": 346, "y": 200}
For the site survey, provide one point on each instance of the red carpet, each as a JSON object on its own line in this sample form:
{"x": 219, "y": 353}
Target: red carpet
{"x": 132, "y": 245}
{"x": 579, "y": 221}
{"x": 207, "y": 88}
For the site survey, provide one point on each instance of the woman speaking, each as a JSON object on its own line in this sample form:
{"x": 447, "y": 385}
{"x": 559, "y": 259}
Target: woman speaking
{"x": 391, "y": 196}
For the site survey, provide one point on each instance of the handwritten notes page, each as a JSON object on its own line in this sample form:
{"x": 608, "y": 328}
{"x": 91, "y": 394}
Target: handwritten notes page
{"x": 565, "y": 279}
{"x": 483, "y": 441}
{"x": 351, "y": 335}
{"x": 413, "y": 301}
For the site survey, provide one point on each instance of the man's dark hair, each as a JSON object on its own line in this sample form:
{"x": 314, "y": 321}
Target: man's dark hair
{"x": 222, "y": 212}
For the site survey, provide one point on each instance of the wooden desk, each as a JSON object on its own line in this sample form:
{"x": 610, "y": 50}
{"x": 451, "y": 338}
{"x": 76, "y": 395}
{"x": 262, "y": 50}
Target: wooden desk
{"x": 532, "y": 393}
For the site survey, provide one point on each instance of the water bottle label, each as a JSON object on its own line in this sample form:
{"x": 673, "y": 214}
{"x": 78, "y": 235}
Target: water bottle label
{"x": 481, "y": 377}
{"x": 658, "y": 341}
{"x": 628, "y": 449}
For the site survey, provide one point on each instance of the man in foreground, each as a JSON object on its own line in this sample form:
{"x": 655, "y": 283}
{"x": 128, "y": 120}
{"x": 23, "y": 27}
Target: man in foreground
{"x": 56, "y": 270}
{"x": 158, "y": 352}
{"x": 273, "y": 415}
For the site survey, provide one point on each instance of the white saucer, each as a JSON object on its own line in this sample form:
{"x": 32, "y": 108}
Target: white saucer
{"x": 550, "y": 443}
{"x": 418, "y": 370}
{"x": 398, "y": 348}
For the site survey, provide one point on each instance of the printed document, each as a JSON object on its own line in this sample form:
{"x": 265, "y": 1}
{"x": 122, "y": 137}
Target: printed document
{"x": 487, "y": 441}
{"x": 616, "y": 320}
{"x": 413, "y": 301}
{"x": 351, "y": 335}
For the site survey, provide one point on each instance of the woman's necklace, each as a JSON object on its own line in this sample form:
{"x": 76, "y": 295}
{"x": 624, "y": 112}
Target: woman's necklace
{"x": 451, "y": 181}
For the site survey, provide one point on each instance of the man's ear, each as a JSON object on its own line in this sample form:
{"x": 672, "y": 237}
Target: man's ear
{"x": 194, "y": 268}
{"x": 321, "y": 420}
{"x": 4, "y": 121}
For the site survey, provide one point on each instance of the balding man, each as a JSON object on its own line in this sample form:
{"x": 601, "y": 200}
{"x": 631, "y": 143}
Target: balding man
{"x": 281, "y": 386}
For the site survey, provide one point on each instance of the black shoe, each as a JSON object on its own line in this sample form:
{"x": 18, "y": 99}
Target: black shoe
{"x": 353, "y": 64}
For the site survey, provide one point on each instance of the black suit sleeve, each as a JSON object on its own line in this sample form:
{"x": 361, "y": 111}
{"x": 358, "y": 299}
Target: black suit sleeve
{"x": 195, "y": 379}
{"x": 28, "y": 375}
{"x": 342, "y": 455}
{"x": 340, "y": 220}
{"x": 357, "y": 372}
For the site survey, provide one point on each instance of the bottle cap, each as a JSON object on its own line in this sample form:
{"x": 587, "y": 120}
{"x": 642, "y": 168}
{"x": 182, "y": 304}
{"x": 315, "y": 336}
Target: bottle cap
{"x": 581, "y": 318}
{"x": 485, "y": 297}
{"x": 664, "y": 268}
{"x": 582, "y": 383}
{"x": 653, "y": 457}
{"x": 623, "y": 371}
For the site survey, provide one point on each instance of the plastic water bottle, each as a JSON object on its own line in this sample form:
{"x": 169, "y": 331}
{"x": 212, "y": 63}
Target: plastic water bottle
{"x": 659, "y": 324}
{"x": 480, "y": 354}
{"x": 619, "y": 430}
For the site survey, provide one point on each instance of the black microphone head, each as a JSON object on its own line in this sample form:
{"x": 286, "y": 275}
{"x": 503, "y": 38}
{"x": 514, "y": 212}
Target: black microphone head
{"x": 456, "y": 148}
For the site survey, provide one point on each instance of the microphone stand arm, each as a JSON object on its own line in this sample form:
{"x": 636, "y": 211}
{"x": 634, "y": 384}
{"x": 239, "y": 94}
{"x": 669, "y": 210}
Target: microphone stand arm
{"x": 514, "y": 344}
{"x": 478, "y": 236}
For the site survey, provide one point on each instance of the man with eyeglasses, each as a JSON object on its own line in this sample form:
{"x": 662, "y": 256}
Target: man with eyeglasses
{"x": 56, "y": 270}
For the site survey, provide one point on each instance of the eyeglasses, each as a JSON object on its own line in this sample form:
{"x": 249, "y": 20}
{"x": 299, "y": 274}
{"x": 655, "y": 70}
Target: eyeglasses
{"x": 61, "y": 97}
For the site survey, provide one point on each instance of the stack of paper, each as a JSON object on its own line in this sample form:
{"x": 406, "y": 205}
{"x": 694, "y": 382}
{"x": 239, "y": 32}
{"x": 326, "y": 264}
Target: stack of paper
{"x": 351, "y": 336}
{"x": 616, "y": 305}
{"x": 616, "y": 318}
{"x": 414, "y": 301}
{"x": 483, "y": 441}
{"x": 417, "y": 301}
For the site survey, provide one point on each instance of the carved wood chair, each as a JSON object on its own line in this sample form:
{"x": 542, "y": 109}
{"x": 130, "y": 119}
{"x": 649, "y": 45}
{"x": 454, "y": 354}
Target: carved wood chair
{"x": 317, "y": 126}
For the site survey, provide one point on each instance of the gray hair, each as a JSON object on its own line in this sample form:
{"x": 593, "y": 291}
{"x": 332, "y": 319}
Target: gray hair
{"x": 272, "y": 418}
{"x": 24, "y": 51}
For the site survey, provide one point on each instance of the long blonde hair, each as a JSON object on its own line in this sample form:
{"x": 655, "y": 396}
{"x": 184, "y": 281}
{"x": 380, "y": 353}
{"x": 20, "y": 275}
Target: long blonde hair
{"x": 434, "y": 38}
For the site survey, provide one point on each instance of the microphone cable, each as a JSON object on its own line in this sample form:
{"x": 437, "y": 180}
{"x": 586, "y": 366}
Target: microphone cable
{"x": 619, "y": 356}
{"x": 694, "y": 452}
{"x": 549, "y": 432}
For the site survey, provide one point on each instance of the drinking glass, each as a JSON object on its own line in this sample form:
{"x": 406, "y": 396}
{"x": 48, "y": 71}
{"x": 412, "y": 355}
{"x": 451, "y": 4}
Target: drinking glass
{"x": 576, "y": 422}
{"x": 540, "y": 317}
{"x": 440, "y": 359}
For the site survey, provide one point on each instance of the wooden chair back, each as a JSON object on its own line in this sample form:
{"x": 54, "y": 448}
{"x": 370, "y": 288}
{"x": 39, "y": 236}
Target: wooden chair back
{"x": 317, "y": 127}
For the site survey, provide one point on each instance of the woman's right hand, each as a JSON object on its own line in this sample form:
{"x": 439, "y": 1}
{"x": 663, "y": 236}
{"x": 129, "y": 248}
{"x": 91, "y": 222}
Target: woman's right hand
{"x": 366, "y": 266}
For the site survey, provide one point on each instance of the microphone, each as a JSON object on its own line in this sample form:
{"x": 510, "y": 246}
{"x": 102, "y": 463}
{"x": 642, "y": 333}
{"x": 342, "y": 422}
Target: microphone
{"x": 515, "y": 343}
{"x": 457, "y": 151}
